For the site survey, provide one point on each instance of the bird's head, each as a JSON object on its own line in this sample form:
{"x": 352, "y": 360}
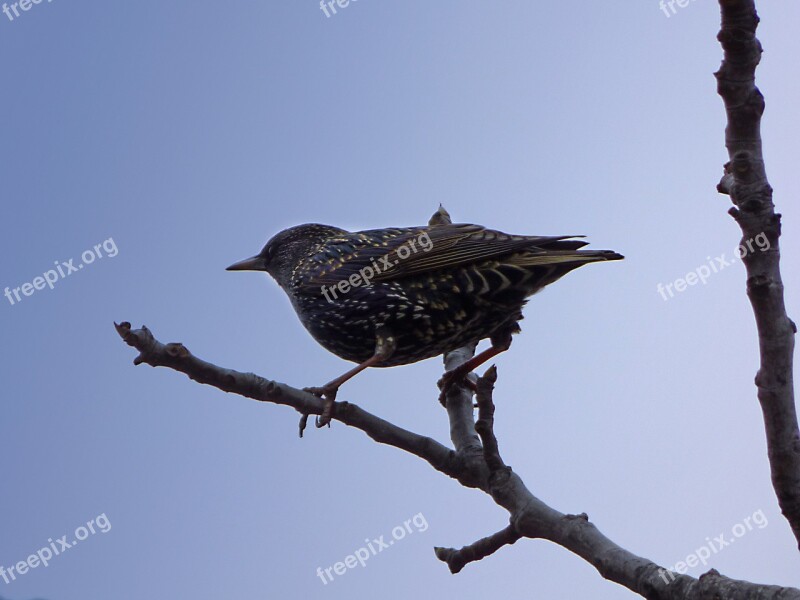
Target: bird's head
{"x": 282, "y": 254}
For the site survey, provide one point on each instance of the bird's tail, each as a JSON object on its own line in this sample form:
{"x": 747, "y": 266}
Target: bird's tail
{"x": 548, "y": 263}
{"x": 563, "y": 252}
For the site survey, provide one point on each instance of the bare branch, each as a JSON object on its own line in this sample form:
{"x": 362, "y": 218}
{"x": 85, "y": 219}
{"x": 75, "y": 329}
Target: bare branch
{"x": 456, "y": 559}
{"x": 249, "y": 385}
{"x": 485, "y": 424}
{"x": 530, "y": 517}
{"x": 745, "y": 180}
{"x": 460, "y": 411}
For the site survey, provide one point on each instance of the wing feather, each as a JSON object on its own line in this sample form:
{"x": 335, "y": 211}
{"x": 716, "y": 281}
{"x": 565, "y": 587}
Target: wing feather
{"x": 397, "y": 253}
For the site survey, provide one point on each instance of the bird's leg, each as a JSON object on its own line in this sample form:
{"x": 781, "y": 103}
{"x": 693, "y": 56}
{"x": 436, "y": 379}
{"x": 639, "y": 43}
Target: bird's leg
{"x": 501, "y": 341}
{"x": 385, "y": 344}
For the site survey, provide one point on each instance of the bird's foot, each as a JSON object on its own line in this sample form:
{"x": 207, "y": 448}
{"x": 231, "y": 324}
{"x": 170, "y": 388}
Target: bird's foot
{"x": 328, "y": 394}
{"x": 451, "y": 378}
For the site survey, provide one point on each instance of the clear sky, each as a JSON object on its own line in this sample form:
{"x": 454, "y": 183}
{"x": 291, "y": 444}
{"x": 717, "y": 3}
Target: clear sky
{"x": 177, "y": 137}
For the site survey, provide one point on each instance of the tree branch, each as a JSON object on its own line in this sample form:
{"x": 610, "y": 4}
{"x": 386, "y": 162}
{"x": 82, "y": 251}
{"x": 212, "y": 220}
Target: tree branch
{"x": 745, "y": 180}
{"x": 456, "y": 559}
{"x": 177, "y": 357}
{"x": 460, "y": 411}
{"x": 485, "y": 424}
{"x": 530, "y": 517}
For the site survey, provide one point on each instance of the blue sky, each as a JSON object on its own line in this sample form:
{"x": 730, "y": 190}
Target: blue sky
{"x": 189, "y": 133}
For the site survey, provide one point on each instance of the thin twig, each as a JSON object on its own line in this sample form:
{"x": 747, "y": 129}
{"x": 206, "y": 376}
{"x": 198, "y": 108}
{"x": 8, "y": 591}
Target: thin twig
{"x": 485, "y": 424}
{"x": 456, "y": 559}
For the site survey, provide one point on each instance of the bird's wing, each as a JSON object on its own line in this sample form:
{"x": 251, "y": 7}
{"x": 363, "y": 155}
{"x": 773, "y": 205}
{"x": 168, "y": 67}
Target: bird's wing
{"x": 396, "y": 253}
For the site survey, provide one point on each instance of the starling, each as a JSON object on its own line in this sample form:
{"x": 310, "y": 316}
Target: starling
{"x": 394, "y": 296}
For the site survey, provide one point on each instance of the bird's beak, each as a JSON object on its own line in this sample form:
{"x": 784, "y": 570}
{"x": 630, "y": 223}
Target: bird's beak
{"x": 255, "y": 263}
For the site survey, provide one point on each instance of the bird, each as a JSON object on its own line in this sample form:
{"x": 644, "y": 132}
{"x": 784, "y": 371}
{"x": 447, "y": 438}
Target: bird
{"x": 398, "y": 295}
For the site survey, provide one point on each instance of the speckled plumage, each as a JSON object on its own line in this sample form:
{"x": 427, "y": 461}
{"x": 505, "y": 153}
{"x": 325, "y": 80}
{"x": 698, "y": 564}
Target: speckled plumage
{"x": 435, "y": 288}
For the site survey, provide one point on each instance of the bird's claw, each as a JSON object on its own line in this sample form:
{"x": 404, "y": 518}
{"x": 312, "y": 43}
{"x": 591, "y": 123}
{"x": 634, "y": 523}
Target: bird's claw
{"x": 303, "y": 423}
{"x": 319, "y": 392}
{"x": 450, "y": 378}
{"x": 328, "y": 394}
